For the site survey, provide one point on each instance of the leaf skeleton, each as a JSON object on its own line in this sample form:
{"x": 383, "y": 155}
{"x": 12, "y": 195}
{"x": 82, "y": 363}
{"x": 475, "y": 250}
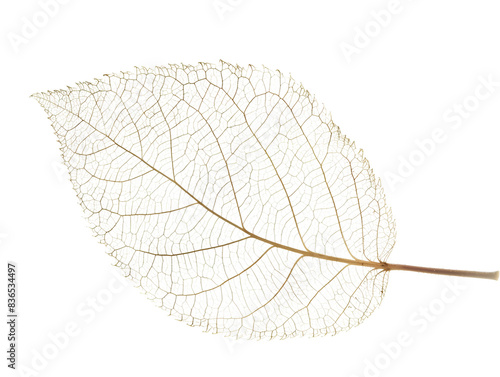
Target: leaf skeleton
{"x": 230, "y": 197}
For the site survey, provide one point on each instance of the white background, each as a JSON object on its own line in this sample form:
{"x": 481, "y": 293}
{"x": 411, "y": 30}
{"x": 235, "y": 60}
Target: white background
{"x": 391, "y": 93}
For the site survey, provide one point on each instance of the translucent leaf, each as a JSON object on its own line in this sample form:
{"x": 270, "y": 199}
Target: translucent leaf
{"x": 229, "y": 195}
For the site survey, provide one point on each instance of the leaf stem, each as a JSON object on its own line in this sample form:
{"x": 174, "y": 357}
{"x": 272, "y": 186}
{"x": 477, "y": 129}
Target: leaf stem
{"x": 443, "y": 271}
